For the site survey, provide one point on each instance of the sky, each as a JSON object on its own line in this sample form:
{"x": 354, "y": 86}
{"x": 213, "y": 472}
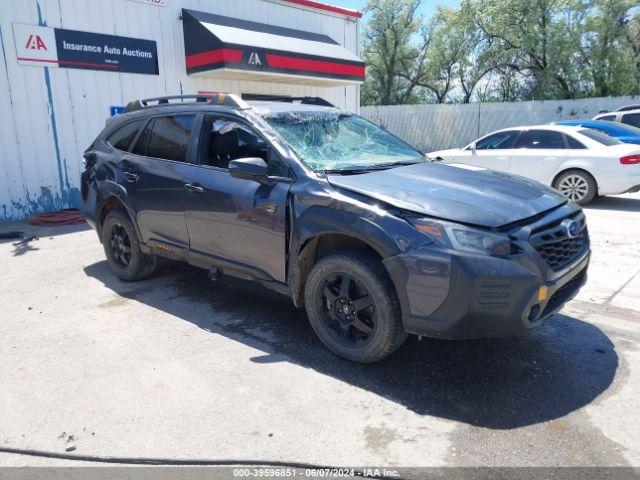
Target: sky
{"x": 427, "y": 8}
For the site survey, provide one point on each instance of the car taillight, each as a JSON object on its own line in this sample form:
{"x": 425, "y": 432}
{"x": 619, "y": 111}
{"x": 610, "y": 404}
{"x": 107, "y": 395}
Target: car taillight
{"x": 630, "y": 159}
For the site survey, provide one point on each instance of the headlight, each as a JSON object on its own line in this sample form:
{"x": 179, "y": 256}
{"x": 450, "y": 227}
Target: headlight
{"x": 460, "y": 237}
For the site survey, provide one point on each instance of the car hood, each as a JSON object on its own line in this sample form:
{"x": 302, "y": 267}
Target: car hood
{"x": 455, "y": 192}
{"x": 445, "y": 153}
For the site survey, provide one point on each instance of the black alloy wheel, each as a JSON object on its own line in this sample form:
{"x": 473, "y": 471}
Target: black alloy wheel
{"x": 120, "y": 245}
{"x": 349, "y": 310}
{"x": 122, "y": 248}
{"x": 352, "y": 306}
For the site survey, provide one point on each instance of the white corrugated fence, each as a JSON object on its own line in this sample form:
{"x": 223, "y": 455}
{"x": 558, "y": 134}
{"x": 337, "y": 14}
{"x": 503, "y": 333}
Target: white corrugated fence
{"x": 436, "y": 127}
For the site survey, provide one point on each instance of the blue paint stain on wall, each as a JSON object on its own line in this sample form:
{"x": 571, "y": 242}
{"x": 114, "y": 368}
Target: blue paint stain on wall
{"x": 68, "y": 196}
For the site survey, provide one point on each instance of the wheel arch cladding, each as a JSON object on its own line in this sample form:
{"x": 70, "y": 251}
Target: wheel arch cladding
{"x": 110, "y": 203}
{"x": 322, "y": 230}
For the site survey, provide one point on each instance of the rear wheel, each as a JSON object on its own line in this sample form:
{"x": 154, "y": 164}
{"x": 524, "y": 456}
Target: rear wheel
{"x": 122, "y": 248}
{"x": 577, "y": 185}
{"x": 353, "y": 308}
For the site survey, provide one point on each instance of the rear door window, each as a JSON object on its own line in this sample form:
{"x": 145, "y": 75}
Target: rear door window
{"x": 541, "y": 139}
{"x": 170, "y": 137}
{"x": 123, "y": 136}
{"x": 573, "y": 143}
{"x": 498, "y": 141}
{"x": 631, "y": 119}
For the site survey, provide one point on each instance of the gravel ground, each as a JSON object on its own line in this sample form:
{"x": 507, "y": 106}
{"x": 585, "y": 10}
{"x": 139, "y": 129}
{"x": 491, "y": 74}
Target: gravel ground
{"x": 177, "y": 366}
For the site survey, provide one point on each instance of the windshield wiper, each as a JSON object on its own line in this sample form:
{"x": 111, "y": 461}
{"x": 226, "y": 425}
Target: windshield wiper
{"x": 346, "y": 171}
{"x": 370, "y": 168}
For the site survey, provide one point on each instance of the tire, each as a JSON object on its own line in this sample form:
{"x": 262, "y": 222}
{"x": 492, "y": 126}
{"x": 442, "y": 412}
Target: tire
{"x": 122, "y": 248}
{"x": 369, "y": 300}
{"x": 577, "y": 186}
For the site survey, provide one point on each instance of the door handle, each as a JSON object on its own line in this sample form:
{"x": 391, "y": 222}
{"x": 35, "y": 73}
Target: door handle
{"x": 193, "y": 187}
{"x": 131, "y": 177}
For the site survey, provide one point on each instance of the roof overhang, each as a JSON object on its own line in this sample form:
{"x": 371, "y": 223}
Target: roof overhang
{"x": 225, "y": 47}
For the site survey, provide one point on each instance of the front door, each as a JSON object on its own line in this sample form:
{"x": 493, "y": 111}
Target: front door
{"x": 153, "y": 177}
{"x": 494, "y": 151}
{"x": 235, "y": 223}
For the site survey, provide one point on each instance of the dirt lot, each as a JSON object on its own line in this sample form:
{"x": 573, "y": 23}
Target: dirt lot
{"x": 177, "y": 366}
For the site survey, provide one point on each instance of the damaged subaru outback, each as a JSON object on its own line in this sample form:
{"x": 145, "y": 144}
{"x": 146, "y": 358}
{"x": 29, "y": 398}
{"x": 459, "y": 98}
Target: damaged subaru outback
{"x": 371, "y": 238}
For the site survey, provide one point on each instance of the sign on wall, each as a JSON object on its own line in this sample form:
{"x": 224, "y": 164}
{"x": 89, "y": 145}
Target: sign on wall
{"x": 56, "y": 47}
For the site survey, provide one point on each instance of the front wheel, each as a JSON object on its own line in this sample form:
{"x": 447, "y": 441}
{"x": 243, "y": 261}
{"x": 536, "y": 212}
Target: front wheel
{"x": 352, "y": 306}
{"x": 577, "y": 185}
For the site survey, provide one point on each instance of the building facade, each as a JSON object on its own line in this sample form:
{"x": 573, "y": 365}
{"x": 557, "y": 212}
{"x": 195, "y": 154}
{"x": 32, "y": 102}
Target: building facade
{"x": 67, "y": 65}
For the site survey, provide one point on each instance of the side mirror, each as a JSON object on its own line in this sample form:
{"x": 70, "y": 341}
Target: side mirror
{"x": 252, "y": 168}
{"x": 473, "y": 148}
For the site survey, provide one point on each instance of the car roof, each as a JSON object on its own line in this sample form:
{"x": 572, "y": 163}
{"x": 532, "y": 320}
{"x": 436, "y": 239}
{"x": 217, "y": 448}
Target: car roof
{"x": 586, "y": 123}
{"x": 260, "y": 107}
{"x": 624, "y": 112}
{"x": 604, "y": 124}
{"x": 626, "y": 108}
{"x": 554, "y": 127}
{"x": 266, "y": 107}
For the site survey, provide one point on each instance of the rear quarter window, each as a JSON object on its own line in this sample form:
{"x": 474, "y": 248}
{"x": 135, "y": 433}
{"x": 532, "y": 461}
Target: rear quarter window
{"x": 122, "y": 137}
{"x": 599, "y": 137}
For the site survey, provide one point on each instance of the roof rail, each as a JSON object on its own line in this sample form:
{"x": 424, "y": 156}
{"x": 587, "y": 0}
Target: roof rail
{"x": 211, "y": 98}
{"x": 287, "y": 98}
{"x": 627, "y": 108}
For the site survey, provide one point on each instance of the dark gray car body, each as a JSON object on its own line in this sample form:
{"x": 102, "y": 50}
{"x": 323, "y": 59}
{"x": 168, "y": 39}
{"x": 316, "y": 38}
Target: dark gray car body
{"x": 273, "y": 230}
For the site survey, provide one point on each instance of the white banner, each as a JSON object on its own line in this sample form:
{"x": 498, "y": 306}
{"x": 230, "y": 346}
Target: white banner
{"x": 35, "y": 45}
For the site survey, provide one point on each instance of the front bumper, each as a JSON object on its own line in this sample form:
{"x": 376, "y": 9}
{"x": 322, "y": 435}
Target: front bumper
{"x": 452, "y": 296}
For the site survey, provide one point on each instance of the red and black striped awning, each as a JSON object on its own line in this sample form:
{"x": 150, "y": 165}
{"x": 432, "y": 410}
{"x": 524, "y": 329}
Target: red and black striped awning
{"x": 219, "y": 46}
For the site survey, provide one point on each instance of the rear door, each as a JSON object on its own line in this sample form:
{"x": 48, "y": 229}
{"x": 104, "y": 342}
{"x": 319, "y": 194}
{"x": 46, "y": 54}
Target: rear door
{"x": 493, "y": 151}
{"x": 236, "y": 223}
{"x": 153, "y": 177}
{"x": 538, "y": 154}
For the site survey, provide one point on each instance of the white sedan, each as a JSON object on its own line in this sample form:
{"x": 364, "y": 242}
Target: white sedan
{"x": 578, "y": 161}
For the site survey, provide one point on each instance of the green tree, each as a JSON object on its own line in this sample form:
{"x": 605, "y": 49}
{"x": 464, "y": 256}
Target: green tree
{"x": 501, "y": 50}
{"x": 390, "y": 52}
{"x": 536, "y": 38}
{"x": 442, "y": 50}
{"x": 608, "y": 49}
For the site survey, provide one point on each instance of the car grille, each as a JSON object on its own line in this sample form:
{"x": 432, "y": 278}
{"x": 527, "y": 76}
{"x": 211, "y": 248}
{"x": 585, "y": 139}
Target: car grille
{"x": 556, "y": 246}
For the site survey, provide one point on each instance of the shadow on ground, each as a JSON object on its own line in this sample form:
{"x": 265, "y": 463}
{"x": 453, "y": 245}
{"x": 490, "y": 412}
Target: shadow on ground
{"x": 615, "y": 203}
{"x": 28, "y": 236}
{"x": 500, "y": 384}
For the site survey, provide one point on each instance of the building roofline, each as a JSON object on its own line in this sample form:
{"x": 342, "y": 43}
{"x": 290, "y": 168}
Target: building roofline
{"x": 326, "y": 7}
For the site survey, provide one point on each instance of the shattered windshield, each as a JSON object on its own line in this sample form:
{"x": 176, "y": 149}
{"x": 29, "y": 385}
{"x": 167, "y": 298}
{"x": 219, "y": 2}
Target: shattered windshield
{"x": 334, "y": 140}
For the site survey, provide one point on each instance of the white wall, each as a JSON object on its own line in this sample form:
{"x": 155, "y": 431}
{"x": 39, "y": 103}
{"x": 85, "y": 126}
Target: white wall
{"x": 436, "y": 127}
{"x": 48, "y": 116}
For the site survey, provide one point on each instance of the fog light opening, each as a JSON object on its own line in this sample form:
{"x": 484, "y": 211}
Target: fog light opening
{"x": 534, "y": 312}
